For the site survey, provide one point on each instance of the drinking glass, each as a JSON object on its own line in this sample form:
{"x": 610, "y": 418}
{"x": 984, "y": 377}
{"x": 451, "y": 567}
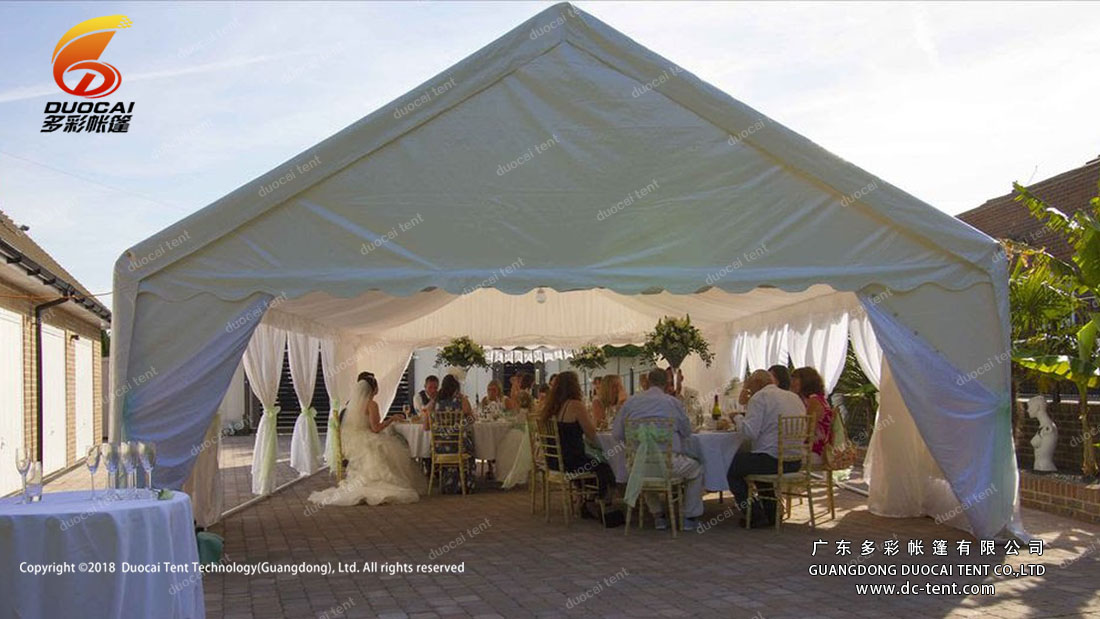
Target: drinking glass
{"x": 22, "y": 464}
{"x": 110, "y": 455}
{"x": 92, "y": 462}
{"x": 34, "y": 482}
{"x": 147, "y": 454}
{"x": 127, "y": 453}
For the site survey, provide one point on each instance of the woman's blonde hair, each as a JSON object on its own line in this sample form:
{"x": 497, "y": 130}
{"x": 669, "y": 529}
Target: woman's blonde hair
{"x": 610, "y": 387}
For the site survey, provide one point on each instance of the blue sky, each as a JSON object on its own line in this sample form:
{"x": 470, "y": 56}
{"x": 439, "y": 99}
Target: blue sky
{"x": 952, "y": 102}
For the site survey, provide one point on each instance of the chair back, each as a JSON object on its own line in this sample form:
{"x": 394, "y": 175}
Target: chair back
{"x": 538, "y": 462}
{"x": 648, "y": 454}
{"x": 548, "y": 443}
{"x": 448, "y": 429}
{"x": 795, "y": 440}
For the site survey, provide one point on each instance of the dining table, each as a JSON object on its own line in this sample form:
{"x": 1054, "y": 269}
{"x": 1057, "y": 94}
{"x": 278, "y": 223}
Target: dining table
{"x": 75, "y": 554}
{"x": 716, "y": 449}
{"x": 487, "y": 437}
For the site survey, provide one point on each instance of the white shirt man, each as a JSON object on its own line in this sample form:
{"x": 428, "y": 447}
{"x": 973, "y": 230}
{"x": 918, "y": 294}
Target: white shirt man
{"x": 654, "y": 403}
{"x": 760, "y": 426}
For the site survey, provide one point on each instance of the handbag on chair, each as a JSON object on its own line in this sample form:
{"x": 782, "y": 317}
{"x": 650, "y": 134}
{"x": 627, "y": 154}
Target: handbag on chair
{"x": 840, "y": 453}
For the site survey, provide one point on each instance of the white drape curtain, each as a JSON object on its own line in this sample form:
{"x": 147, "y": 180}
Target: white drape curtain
{"x": 865, "y": 347}
{"x": 739, "y": 356}
{"x": 820, "y": 342}
{"x": 335, "y": 405}
{"x": 767, "y": 347}
{"x": 263, "y": 364}
{"x": 305, "y": 443}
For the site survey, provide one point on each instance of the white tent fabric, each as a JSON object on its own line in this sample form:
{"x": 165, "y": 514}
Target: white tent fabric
{"x": 263, "y": 364}
{"x": 305, "y": 442}
{"x": 865, "y": 347}
{"x": 582, "y": 163}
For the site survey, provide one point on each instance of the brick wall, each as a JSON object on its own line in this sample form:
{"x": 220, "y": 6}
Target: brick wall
{"x": 1056, "y": 496}
{"x": 1067, "y": 454}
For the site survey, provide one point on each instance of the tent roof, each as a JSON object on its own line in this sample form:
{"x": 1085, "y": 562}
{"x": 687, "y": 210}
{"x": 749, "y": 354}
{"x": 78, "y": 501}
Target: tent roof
{"x": 567, "y": 156}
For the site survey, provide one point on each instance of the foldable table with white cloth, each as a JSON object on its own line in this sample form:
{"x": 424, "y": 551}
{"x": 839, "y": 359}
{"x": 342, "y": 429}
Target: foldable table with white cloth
{"x": 95, "y": 538}
{"x": 716, "y": 448}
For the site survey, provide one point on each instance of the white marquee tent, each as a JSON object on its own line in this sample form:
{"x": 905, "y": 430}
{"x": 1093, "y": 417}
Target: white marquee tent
{"x": 565, "y": 156}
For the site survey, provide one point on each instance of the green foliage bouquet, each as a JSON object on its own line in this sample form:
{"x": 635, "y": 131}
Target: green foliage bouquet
{"x": 462, "y": 352}
{"x": 673, "y": 339}
{"x": 589, "y": 357}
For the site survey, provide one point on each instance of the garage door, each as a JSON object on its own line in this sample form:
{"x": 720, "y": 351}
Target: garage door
{"x": 55, "y": 431}
{"x": 11, "y": 398}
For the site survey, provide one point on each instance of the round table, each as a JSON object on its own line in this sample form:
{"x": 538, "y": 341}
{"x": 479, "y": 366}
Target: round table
{"x": 487, "y": 437}
{"x": 68, "y": 529}
{"x": 716, "y": 448}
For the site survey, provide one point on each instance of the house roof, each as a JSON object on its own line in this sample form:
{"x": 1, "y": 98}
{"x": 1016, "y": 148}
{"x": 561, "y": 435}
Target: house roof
{"x": 19, "y": 249}
{"x": 1004, "y": 218}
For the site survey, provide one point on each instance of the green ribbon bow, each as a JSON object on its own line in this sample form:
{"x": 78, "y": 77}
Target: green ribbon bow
{"x": 649, "y": 459}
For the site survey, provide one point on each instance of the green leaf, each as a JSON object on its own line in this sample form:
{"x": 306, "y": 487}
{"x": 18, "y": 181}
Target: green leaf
{"x": 1063, "y": 367}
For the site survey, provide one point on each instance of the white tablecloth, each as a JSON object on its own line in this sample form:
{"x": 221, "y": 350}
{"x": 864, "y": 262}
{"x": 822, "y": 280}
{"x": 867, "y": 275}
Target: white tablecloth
{"x": 716, "y": 448}
{"x": 69, "y": 527}
{"x": 487, "y": 437}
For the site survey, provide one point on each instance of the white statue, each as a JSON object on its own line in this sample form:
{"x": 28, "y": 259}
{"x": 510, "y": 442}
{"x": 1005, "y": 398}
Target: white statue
{"x": 1046, "y": 439}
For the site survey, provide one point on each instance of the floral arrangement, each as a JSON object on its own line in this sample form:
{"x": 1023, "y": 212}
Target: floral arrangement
{"x": 673, "y": 339}
{"x": 589, "y": 357}
{"x": 462, "y": 352}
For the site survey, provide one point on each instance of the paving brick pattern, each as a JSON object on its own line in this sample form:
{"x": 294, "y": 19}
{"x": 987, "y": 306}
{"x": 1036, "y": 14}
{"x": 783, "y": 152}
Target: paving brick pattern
{"x": 517, "y": 565}
{"x": 520, "y": 566}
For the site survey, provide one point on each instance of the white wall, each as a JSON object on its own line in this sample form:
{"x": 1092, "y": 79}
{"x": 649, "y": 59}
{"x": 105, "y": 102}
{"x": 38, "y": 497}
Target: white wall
{"x": 55, "y": 425}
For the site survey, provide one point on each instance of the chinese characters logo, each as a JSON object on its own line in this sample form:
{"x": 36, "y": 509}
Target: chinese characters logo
{"x": 80, "y": 49}
{"x": 76, "y": 56}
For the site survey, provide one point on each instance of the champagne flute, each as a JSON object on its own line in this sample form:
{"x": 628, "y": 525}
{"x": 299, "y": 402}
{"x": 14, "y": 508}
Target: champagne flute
{"x": 22, "y": 464}
{"x": 92, "y": 462}
{"x": 147, "y": 453}
{"x": 109, "y": 452}
{"x": 127, "y": 453}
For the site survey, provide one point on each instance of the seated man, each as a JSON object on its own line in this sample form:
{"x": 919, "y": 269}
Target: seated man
{"x": 760, "y": 425}
{"x": 426, "y": 395}
{"x": 654, "y": 403}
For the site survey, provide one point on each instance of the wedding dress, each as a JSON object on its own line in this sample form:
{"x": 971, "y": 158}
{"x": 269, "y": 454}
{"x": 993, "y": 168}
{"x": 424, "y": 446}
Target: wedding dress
{"x": 379, "y": 470}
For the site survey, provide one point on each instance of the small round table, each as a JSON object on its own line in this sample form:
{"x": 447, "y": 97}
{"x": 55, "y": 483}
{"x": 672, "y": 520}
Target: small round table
{"x": 86, "y": 543}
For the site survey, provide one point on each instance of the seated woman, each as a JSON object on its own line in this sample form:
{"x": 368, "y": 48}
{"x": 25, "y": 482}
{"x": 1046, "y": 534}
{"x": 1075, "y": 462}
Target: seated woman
{"x": 565, "y": 407}
{"x": 611, "y": 396}
{"x": 519, "y": 396}
{"x": 380, "y": 469}
{"x": 450, "y": 398}
{"x": 807, "y": 383}
{"x": 494, "y": 394}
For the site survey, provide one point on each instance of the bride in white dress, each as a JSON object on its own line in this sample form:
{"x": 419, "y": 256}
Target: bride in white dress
{"x": 380, "y": 469}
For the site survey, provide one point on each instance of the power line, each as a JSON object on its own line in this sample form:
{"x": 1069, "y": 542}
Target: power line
{"x": 95, "y": 182}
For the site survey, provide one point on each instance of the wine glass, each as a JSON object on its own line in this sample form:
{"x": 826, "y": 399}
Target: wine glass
{"x": 92, "y": 462}
{"x": 109, "y": 453}
{"x": 22, "y": 464}
{"x": 127, "y": 453}
{"x": 147, "y": 453}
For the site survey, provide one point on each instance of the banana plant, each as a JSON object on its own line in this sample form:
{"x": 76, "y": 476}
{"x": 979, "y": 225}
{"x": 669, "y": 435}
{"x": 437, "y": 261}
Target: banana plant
{"x": 1082, "y": 271}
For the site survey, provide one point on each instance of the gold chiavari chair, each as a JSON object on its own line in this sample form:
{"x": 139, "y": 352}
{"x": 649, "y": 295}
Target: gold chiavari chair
{"x": 536, "y": 478}
{"x": 574, "y": 487}
{"x": 668, "y": 485}
{"x": 448, "y": 441}
{"x": 794, "y": 446}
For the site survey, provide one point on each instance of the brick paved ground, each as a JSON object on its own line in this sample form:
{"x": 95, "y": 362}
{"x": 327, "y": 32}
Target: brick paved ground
{"x": 520, "y": 566}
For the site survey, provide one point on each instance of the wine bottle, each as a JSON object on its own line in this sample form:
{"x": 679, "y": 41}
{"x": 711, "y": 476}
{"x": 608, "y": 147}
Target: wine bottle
{"x": 716, "y": 412}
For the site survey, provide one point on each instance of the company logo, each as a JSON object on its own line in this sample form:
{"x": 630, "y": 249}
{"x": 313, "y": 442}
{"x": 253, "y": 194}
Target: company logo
{"x": 78, "y": 53}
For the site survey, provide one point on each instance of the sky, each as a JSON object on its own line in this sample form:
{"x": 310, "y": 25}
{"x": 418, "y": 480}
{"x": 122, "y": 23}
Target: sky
{"x": 952, "y": 102}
